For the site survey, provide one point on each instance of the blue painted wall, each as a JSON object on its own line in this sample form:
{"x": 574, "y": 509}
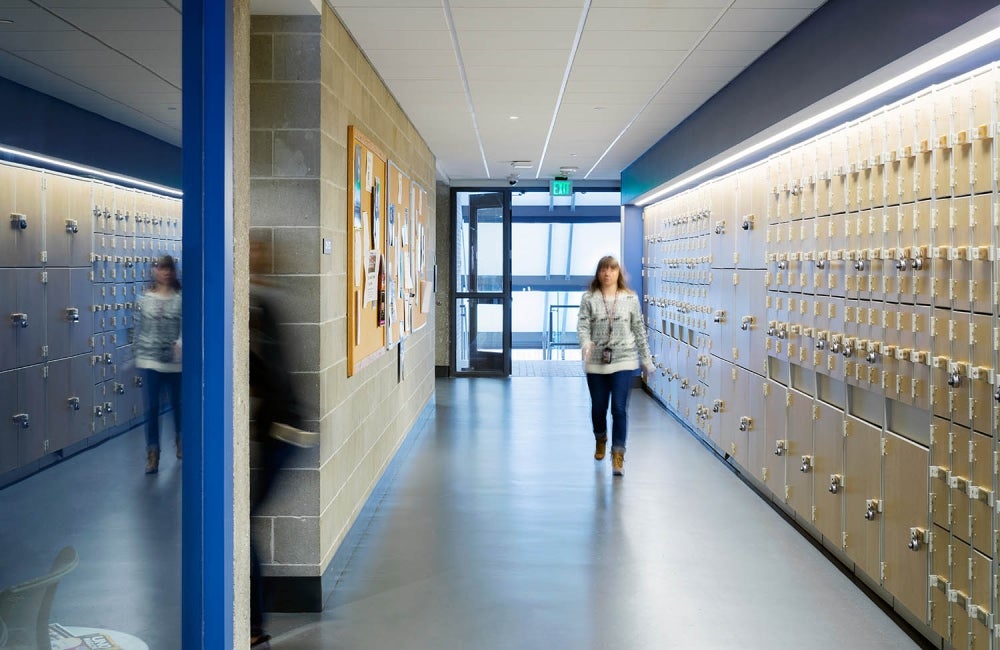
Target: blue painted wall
{"x": 840, "y": 43}
{"x": 44, "y": 125}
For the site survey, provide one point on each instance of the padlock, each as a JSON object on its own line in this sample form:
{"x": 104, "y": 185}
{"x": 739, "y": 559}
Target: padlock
{"x": 836, "y": 481}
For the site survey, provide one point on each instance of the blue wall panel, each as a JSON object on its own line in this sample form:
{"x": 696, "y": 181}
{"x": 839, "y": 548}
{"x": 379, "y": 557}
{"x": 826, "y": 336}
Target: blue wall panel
{"x": 41, "y": 124}
{"x": 840, "y": 43}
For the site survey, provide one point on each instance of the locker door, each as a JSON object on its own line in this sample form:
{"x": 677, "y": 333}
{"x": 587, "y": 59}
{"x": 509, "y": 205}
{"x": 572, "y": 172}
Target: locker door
{"x": 60, "y": 407}
{"x": 32, "y": 443}
{"x": 21, "y": 209}
{"x": 828, "y": 471}
{"x": 966, "y": 631}
{"x": 101, "y": 420}
{"x": 8, "y": 307}
{"x": 30, "y": 301}
{"x": 799, "y": 464}
{"x": 982, "y": 148}
{"x": 759, "y": 454}
{"x": 940, "y": 457}
{"x": 941, "y": 568}
{"x": 81, "y": 388}
{"x": 9, "y": 429}
{"x": 68, "y": 222}
{"x": 742, "y": 422}
{"x": 906, "y": 479}
{"x": 862, "y": 495}
{"x": 68, "y": 302}
{"x": 740, "y": 327}
{"x": 755, "y": 358}
{"x": 773, "y": 471}
{"x": 971, "y": 519}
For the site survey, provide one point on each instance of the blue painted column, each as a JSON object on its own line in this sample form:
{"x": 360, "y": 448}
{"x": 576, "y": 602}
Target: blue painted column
{"x": 632, "y": 246}
{"x": 207, "y": 511}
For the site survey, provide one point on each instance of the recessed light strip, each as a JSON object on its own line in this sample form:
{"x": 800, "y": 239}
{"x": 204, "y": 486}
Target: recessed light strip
{"x": 896, "y": 81}
{"x": 465, "y": 82}
{"x": 62, "y": 165}
{"x": 565, "y": 81}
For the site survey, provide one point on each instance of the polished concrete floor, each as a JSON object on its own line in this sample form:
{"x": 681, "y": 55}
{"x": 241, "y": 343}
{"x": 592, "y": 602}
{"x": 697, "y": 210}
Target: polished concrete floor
{"x": 494, "y": 528}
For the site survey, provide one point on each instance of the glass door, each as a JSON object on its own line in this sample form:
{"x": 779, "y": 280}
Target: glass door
{"x": 481, "y": 324}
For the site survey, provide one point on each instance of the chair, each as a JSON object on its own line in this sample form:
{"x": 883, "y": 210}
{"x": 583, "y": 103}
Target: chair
{"x": 25, "y": 608}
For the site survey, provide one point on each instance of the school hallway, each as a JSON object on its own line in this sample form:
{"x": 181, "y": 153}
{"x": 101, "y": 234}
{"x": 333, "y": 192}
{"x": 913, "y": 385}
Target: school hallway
{"x": 493, "y": 528}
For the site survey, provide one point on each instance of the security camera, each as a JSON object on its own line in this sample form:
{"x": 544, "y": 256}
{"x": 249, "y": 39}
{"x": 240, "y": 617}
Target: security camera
{"x": 512, "y": 179}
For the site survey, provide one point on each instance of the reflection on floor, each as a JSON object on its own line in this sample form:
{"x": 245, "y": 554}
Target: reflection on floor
{"x": 494, "y": 528}
{"x": 547, "y": 368}
{"x": 125, "y": 527}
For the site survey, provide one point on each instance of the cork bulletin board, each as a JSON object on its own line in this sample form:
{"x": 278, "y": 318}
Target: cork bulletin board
{"x": 423, "y": 297}
{"x": 366, "y": 251}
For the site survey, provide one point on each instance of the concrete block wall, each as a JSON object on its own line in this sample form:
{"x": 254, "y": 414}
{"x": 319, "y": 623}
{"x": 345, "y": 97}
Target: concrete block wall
{"x": 309, "y": 81}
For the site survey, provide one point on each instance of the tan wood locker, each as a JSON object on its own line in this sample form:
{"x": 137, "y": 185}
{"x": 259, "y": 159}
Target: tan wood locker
{"x": 799, "y": 453}
{"x": 983, "y": 148}
{"x": 758, "y": 451}
{"x": 981, "y": 223}
{"x": 862, "y": 495}
{"x": 720, "y": 401}
{"x": 971, "y": 468}
{"x": 952, "y": 619}
{"x": 828, "y": 471}
{"x": 68, "y": 221}
{"x": 905, "y": 523}
{"x": 723, "y": 223}
{"x": 735, "y": 434}
{"x": 772, "y": 473}
{"x": 31, "y": 415}
{"x": 9, "y": 427}
{"x": 939, "y": 491}
{"x": 23, "y": 231}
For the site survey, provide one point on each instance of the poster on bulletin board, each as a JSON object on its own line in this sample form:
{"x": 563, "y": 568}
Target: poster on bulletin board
{"x": 417, "y": 259}
{"x": 397, "y": 251}
{"x": 368, "y": 309}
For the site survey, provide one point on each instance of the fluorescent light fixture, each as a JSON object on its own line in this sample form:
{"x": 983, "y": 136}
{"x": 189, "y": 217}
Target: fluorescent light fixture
{"x": 566, "y": 171}
{"x": 515, "y": 117}
{"x": 895, "y": 82}
{"x": 521, "y": 164}
{"x": 90, "y": 171}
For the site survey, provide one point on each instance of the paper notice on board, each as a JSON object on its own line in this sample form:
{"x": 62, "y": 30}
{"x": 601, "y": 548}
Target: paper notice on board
{"x": 369, "y": 170}
{"x": 358, "y": 258}
{"x": 425, "y": 297}
{"x": 407, "y": 275}
{"x": 399, "y": 188}
{"x": 367, "y": 229}
{"x": 371, "y": 278}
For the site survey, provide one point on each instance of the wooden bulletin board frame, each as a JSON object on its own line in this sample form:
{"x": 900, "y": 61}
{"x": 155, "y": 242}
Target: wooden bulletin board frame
{"x": 366, "y": 216}
{"x": 419, "y": 234}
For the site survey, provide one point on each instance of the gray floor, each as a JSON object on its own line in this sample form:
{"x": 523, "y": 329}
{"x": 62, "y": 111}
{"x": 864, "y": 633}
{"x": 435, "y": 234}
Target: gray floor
{"x": 494, "y": 529}
{"x": 500, "y": 531}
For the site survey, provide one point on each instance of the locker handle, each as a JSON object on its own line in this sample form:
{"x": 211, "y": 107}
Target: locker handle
{"x": 119, "y": 388}
{"x": 108, "y": 359}
{"x": 99, "y": 411}
{"x": 73, "y": 314}
{"x": 137, "y": 380}
{"x": 917, "y": 538}
{"x": 108, "y": 407}
{"x": 72, "y": 227}
{"x": 19, "y": 319}
{"x": 23, "y": 419}
{"x": 18, "y": 221}
{"x": 74, "y": 403}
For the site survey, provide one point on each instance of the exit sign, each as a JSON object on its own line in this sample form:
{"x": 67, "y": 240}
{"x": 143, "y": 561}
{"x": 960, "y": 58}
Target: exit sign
{"x": 561, "y": 187}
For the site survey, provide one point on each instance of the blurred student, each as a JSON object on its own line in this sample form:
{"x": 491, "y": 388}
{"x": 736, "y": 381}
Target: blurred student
{"x": 158, "y": 352}
{"x": 613, "y": 342}
{"x": 276, "y": 416}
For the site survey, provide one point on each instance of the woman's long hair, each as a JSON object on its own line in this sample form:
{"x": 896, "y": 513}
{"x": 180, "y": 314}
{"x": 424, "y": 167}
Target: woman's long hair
{"x": 167, "y": 262}
{"x": 608, "y": 262}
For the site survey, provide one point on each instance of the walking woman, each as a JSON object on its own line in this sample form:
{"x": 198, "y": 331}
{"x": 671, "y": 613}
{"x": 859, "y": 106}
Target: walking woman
{"x": 613, "y": 341}
{"x": 158, "y": 352}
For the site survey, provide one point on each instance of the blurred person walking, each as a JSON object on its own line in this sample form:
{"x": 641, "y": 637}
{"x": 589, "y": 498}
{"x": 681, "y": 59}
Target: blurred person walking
{"x": 613, "y": 343}
{"x": 277, "y": 421}
{"x": 158, "y": 352}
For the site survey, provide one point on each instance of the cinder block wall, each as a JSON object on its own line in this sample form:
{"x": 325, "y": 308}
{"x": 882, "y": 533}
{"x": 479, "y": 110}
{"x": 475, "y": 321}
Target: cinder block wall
{"x": 309, "y": 81}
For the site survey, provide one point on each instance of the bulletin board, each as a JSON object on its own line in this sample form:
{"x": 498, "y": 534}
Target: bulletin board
{"x": 418, "y": 258}
{"x": 400, "y": 280}
{"x": 366, "y": 259}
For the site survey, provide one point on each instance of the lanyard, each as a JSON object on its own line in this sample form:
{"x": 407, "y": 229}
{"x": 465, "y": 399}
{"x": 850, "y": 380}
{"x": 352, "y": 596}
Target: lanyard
{"x": 611, "y": 313}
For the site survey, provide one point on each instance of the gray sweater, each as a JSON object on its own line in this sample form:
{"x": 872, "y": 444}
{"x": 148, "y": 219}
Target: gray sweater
{"x": 627, "y": 338}
{"x": 157, "y": 329}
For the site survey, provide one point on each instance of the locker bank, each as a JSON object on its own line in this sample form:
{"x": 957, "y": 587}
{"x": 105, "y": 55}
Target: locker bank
{"x": 815, "y": 456}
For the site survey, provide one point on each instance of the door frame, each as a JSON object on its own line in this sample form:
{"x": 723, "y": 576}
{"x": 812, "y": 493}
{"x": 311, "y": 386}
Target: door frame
{"x": 504, "y": 295}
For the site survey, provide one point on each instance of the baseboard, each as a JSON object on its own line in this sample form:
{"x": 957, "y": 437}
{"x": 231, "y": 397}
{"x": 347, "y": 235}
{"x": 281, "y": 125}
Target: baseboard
{"x": 289, "y": 594}
{"x": 442, "y": 371}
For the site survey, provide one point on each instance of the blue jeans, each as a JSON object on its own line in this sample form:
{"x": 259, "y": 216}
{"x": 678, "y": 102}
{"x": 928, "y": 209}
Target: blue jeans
{"x": 155, "y": 381}
{"x": 615, "y": 387}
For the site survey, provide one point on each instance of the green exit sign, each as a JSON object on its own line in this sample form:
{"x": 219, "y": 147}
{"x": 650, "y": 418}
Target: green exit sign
{"x": 561, "y": 187}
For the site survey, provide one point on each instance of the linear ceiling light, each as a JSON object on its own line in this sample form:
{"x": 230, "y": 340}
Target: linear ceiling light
{"x": 895, "y": 82}
{"x": 90, "y": 171}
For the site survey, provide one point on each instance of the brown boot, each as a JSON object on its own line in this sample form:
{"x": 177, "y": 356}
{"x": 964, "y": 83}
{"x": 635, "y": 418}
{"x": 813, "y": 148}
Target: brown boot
{"x": 618, "y": 462}
{"x": 152, "y": 461}
{"x": 602, "y": 444}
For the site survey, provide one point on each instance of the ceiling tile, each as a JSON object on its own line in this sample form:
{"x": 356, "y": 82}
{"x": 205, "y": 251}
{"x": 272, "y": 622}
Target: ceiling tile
{"x": 740, "y": 41}
{"x": 778, "y": 4}
{"x": 532, "y": 19}
{"x": 130, "y": 41}
{"x": 645, "y": 40}
{"x": 748, "y": 20}
{"x": 92, "y": 19}
{"x": 657, "y": 19}
{"x": 47, "y": 41}
{"x": 628, "y": 58}
{"x": 371, "y": 17}
{"x": 403, "y": 39}
{"x": 513, "y": 41}
{"x": 30, "y": 19}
